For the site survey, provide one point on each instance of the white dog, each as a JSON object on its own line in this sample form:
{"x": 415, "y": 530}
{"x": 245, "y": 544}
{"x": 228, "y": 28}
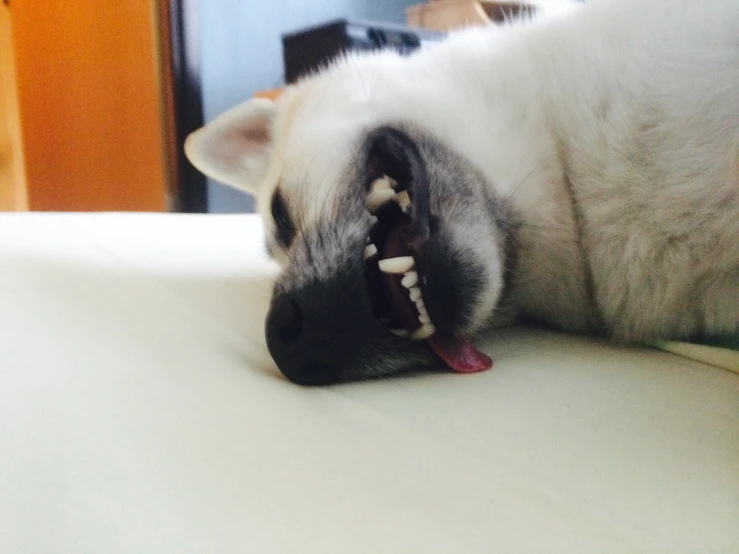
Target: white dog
{"x": 580, "y": 170}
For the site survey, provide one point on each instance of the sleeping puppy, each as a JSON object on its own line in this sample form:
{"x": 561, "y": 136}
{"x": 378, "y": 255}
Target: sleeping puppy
{"x": 579, "y": 169}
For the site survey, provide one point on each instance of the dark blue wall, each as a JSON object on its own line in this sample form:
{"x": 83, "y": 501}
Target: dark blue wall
{"x": 242, "y": 53}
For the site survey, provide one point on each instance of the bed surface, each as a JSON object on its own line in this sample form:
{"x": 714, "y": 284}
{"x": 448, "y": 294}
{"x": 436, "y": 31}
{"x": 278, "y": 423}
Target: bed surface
{"x": 140, "y": 413}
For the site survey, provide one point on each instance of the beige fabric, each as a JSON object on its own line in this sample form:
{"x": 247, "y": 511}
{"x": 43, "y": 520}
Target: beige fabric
{"x": 139, "y": 413}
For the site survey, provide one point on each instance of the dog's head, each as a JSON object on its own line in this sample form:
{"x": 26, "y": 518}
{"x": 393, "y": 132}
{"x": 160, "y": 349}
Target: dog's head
{"x": 389, "y": 241}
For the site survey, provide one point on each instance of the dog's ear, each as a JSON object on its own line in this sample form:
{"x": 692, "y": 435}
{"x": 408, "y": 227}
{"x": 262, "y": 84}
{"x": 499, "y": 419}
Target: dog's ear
{"x": 236, "y": 147}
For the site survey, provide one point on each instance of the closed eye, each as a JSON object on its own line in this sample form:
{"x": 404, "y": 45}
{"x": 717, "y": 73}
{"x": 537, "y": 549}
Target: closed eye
{"x": 285, "y": 229}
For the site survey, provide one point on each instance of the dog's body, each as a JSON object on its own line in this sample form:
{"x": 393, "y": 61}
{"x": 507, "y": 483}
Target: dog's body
{"x": 583, "y": 170}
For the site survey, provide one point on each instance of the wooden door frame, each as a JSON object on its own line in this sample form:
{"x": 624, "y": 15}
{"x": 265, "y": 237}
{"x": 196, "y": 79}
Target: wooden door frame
{"x": 14, "y": 197}
{"x": 191, "y": 194}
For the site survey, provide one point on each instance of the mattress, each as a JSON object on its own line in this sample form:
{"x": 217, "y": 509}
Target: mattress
{"x": 141, "y": 413}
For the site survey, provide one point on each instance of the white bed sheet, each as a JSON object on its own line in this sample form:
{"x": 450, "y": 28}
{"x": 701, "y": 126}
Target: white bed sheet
{"x": 140, "y": 413}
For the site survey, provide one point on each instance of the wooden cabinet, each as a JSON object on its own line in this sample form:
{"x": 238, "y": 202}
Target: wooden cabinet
{"x": 83, "y": 121}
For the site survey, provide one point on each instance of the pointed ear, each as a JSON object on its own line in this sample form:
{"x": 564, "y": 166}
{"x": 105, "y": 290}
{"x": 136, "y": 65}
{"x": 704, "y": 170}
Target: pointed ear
{"x": 235, "y": 148}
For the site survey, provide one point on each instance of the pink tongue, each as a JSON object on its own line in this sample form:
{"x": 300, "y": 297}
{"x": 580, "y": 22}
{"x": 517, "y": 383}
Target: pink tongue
{"x": 459, "y": 354}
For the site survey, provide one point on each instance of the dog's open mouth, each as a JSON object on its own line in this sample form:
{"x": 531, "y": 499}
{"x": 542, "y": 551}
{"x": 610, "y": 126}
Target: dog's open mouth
{"x": 395, "y": 282}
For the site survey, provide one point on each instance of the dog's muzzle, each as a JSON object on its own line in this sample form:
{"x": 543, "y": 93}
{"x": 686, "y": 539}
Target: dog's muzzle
{"x": 366, "y": 310}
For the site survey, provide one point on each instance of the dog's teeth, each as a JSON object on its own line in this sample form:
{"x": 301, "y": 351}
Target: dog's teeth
{"x": 398, "y": 265}
{"x": 403, "y": 200}
{"x": 370, "y": 251}
{"x": 382, "y": 183}
{"x": 410, "y": 279}
{"x": 423, "y": 332}
{"x": 401, "y": 332}
{"x": 380, "y": 192}
{"x": 378, "y": 197}
{"x": 415, "y": 293}
{"x": 423, "y": 315}
{"x": 373, "y": 220}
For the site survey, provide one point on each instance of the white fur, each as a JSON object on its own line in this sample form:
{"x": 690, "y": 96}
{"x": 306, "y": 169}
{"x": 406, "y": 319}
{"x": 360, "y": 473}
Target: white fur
{"x": 614, "y": 129}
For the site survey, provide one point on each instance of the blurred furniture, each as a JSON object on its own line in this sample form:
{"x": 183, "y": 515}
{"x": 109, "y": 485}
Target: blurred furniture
{"x": 446, "y": 15}
{"x": 84, "y": 121}
{"x": 307, "y": 50}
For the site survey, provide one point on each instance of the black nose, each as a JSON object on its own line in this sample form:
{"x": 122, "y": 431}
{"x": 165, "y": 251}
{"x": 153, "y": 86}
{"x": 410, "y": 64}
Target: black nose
{"x": 286, "y": 319}
{"x": 311, "y": 337}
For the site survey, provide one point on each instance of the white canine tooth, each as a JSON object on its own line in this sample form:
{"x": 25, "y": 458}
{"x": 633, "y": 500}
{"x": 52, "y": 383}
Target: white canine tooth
{"x": 378, "y": 197}
{"x": 401, "y": 332}
{"x": 423, "y": 317}
{"x": 423, "y": 332}
{"x": 415, "y": 293}
{"x": 398, "y": 265}
{"x": 369, "y": 251}
{"x": 420, "y": 304}
{"x": 410, "y": 279}
{"x": 403, "y": 200}
{"x": 383, "y": 182}
{"x": 373, "y": 220}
